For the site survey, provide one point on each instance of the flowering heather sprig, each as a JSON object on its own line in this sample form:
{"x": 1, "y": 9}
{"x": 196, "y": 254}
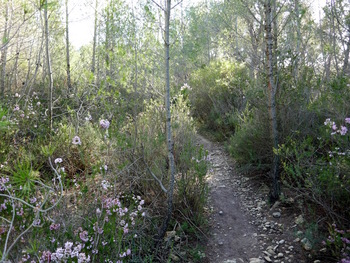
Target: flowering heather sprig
{"x": 104, "y": 124}
{"x": 62, "y": 254}
{"x": 54, "y": 226}
{"x": 76, "y": 140}
{"x": 58, "y": 160}
{"x": 185, "y": 87}
{"x": 84, "y": 236}
{"x": 343, "y": 129}
{"x": 3, "y": 182}
{"x": 339, "y": 242}
{"x": 105, "y": 184}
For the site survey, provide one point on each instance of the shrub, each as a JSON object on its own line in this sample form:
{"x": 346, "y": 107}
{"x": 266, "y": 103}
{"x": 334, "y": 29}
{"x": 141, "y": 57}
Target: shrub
{"x": 319, "y": 168}
{"x": 338, "y": 242}
{"x": 251, "y": 144}
{"x": 190, "y": 161}
{"x": 218, "y": 92}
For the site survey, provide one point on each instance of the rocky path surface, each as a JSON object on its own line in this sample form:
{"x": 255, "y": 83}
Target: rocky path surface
{"x": 243, "y": 228}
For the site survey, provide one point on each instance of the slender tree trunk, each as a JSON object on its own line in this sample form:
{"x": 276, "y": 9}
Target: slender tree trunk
{"x": 93, "y": 62}
{"x": 3, "y": 59}
{"x": 135, "y": 84}
{"x": 30, "y": 82}
{"x": 335, "y": 53}
{"x": 107, "y": 46}
{"x": 297, "y": 51}
{"x": 236, "y": 37}
{"x": 275, "y": 191}
{"x": 12, "y": 75}
{"x": 274, "y": 32}
{"x": 69, "y": 84}
{"x": 29, "y": 69}
{"x": 346, "y": 55}
{"x": 168, "y": 122}
{"x": 208, "y": 33}
{"x": 48, "y": 62}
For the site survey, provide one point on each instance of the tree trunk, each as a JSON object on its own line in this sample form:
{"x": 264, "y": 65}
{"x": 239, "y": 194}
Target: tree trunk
{"x": 346, "y": 56}
{"x": 69, "y": 84}
{"x": 107, "y": 46}
{"x": 168, "y": 122}
{"x": 275, "y": 191}
{"x": 30, "y": 82}
{"x": 3, "y": 59}
{"x": 12, "y": 74}
{"x": 335, "y": 53}
{"x": 48, "y": 62}
{"x": 93, "y": 62}
{"x": 297, "y": 51}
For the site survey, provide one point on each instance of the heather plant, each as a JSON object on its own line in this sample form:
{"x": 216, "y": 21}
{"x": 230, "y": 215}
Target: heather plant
{"x": 318, "y": 168}
{"x": 110, "y": 234}
{"x": 75, "y": 204}
{"x": 21, "y": 213}
{"x": 111, "y": 227}
{"x": 338, "y": 242}
{"x": 151, "y": 174}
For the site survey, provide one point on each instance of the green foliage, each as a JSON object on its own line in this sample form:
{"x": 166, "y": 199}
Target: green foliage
{"x": 190, "y": 161}
{"x": 334, "y": 99}
{"x": 3, "y": 122}
{"x": 24, "y": 178}
{"x": 319, "y": 169}
{"x": 78, "y": 159}
{"x": 251, "y": 145}
{"x": 197, "y": 254}
{"x": 218, "y": 95}
{"x": 338, "y": 242}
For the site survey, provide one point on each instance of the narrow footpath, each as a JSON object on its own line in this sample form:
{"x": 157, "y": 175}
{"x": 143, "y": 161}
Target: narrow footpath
{"x": 243, "y": 228}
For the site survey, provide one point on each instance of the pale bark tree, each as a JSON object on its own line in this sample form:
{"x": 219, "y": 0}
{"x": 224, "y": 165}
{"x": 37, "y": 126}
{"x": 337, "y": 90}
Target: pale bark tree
{"x": 31, "y": 81}
{"x": 297, "y": 49}
{"x": 48, "y": 65}
{"x": 334, "y": 36}
{"x": 69, "y": 84}
{"x": 12, "y": 74}
{"x": 345, "y": 69}
{"x": 93, "y": 62}
{"x": 272, "y": 88}
{"x": 170, "y": 191}
{"x": 3, "y": 59}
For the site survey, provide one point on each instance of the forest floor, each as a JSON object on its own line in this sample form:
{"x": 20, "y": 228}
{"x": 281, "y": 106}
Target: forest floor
{"x": 243, "y": 226}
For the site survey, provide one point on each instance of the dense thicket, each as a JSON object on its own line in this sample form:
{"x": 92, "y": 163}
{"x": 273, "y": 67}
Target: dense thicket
{"x": 84, "y": 149}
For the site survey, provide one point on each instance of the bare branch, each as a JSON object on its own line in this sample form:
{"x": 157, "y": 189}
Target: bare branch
{"x": 156, "y": 178}
{"x": 177, "y": 4}
{"x": 158, "y": 5}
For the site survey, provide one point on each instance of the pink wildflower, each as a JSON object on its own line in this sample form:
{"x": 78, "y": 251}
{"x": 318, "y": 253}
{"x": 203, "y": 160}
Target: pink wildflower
{"x": 58, "y": 160}
{"x": 76, "y": 140}
{"x": 104, "y": 124}
{"x": 343, "y": 130}
{"x": 84, "y": 236}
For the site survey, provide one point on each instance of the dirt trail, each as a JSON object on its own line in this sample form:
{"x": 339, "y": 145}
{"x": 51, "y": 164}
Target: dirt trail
{"x": 242, "y": 228}
{"x": 233, "y": 238}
